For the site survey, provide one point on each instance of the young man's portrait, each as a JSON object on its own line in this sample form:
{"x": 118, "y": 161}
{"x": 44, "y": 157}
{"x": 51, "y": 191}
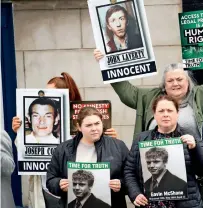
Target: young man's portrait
{"x": 161, "y": 178}
{"x": 82, "y": 183}
{"x": 120, "y": 28}
{"x": 43, "y": 120}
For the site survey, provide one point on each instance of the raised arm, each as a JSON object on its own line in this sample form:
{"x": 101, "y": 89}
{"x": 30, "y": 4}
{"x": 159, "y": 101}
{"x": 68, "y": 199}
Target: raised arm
{"x": 129, "y": 94}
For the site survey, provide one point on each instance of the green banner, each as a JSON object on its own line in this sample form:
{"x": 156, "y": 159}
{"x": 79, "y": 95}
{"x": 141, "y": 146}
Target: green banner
{"x": 191, "y": 33}
{"x": 81, "y": 165}
{"x": 160, "y": 142}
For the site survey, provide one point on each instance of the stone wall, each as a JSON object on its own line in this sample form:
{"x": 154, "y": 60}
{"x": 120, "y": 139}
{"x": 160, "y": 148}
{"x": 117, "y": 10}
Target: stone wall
{"x": 56, "y": 36}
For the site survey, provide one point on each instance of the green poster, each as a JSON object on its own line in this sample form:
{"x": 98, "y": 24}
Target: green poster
{"x": 83, "y": 165}
{"x": 191, "y": 33}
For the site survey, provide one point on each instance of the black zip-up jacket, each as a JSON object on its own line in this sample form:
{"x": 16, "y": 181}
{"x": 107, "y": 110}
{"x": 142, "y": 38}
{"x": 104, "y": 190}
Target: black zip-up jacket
{"x": 107, "y": 149}
{"x": 194, "y": 166}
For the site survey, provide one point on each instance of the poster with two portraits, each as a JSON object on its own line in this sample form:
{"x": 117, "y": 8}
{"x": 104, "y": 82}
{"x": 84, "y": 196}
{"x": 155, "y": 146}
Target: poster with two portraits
{"x": 45, "y": 124}
{"x": 121, "y": 33}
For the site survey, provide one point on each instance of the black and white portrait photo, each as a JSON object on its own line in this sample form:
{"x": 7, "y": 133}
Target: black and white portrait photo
{"x": 42, "y": 120}
{"x": 164, "y": 172}
{"x": 88, "y": 185}
{"x": 82, "y": 184}
{"x": 119, "y": 26}
{"x": 122, "y": 35}
{"x": 161, "y": 178}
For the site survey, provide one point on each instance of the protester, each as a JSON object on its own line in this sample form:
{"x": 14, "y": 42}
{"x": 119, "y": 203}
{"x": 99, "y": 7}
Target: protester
{"x": 176, "y": 83}
{"x": 36, "y": 182}
{"x": 63, "y": 82}
{"x": 89, "y": 145}
{"x": 7, "y": 168}
{"x": 165, "y": 111}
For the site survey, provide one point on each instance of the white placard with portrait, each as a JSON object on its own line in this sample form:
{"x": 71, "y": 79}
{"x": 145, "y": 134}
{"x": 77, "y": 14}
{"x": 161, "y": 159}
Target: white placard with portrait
{"x": 163, "y": 169}
{"x": 89, "y": 184}
{"x": 121, "y": 33}
{"x": 44, "y": 114}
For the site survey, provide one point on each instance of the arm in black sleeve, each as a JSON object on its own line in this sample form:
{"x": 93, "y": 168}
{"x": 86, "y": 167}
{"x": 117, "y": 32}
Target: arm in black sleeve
{"x": 131, "y": 172}
{"x": 196, "y": 155}
{"x": 125, "y": 152}
{"x": 54, "y": 175}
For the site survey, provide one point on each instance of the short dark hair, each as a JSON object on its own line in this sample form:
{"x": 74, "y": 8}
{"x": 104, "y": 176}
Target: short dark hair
{"x": 41, "y": 92}
{"x": 112, "y": 10}
{"x": 83, "y": 175}
{"x": 44, "y": 101}
{"x": 157, "y": 152}
{"x": 164, "y": 97}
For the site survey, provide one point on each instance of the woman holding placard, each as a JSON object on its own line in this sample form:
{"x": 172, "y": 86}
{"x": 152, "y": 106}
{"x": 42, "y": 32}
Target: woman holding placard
{"x": 91, "y": 146}
{"x": 176, "y": 83}
{"x": 147, "y": 171}
{"x": 65, "y": 81}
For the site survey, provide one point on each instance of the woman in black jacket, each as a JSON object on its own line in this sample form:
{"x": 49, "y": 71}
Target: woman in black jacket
{"x": 166, "y": 114}
{"x": 102, "y": 149}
